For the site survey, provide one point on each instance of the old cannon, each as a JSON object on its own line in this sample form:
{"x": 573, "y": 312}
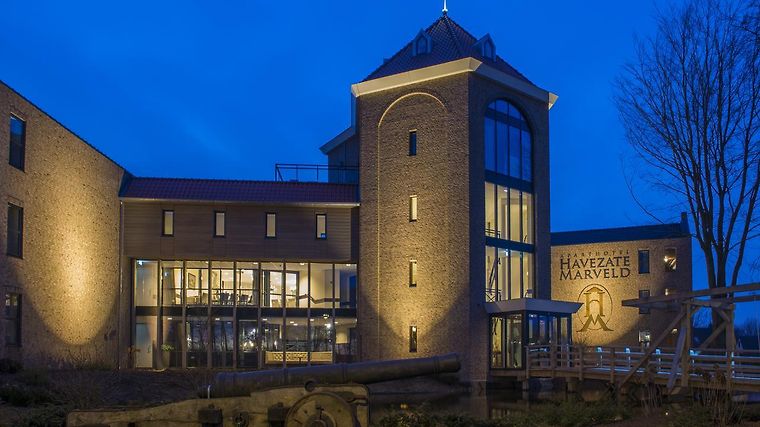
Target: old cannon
{"x": 316, "y": 396}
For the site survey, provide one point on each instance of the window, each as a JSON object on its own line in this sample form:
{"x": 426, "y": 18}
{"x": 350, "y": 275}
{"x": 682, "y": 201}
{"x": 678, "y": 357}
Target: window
{"x": 413, "y": 339}
{"x": 15, "y": 230}
{"x": 12, "y": 319}
{"x": 643, "y": 261}
{"x": 412, "y": 208}
{"x": 219, "y": 224}
{"x": 321, "y": 226}
{"x": 488, "y": 49}
{"x": 508, "y": 214}
{"x": 670, "y": 259}
{"x": 271, "y": 225}
{"x": 17, "y": 143}
{"x": 168, "y": 223}
{"x": 644, "y": 293}
{"x": 507, "y": 144}
{"x": 412, "y": 142}
{"x": 413, "y": 273}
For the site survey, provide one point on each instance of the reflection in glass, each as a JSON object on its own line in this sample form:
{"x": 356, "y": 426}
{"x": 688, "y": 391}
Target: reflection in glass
{"x": 297, "y": 284}
{"x": 247, "y": 283}
{"x": 248, "y": 355}
{"x": 345, "y": 285}
{"x": 196, "y": 329}
{"x": 297, "y": 340}
{"x": 171, "y": 349}
{"x": 514, "y": 341}
{"x": 146, "y": 283}
{"x": 346, "y": 341}
{"x": 272, "y": 284}
{"x": 196, "y": 281}
{"x": 321, "y": 285}
{"x": 272, "y": 340}
{"x": 171, "y": 282}
{"x": 222, "y": 344}
{"x": 222, "y": 283}
{"x": 322, "y": 339}
{"x": 497, "y": 342}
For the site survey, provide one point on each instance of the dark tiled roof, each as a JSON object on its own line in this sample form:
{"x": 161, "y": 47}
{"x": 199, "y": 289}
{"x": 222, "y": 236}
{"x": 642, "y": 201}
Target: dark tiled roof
{"x": 621, "y": 234}
{"x": 449, "y": 42}
{"x": 239, "y": 191}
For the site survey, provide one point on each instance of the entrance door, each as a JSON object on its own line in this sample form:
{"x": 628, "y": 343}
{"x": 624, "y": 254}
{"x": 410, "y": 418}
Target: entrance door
{"x": 144, "y": 346}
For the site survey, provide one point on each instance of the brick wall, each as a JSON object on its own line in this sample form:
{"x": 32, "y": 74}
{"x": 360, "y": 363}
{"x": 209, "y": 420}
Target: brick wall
{"x": 69, "y": 274}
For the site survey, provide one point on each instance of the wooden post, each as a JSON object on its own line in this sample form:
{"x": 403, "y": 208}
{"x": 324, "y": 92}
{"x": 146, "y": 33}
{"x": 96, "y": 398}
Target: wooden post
{"x": 686, "y": 352}
{"x": 612, "y": 366}
{"x": 553, "y": 359}
{"x": 580, "y": 362}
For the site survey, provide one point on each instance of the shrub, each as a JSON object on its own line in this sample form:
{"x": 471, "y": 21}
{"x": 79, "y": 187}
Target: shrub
{"x": 34, "y": 377}
{"x": 10, "y": 366}
{"x": 42, "y": 417}
{"x": 18, "y": 395}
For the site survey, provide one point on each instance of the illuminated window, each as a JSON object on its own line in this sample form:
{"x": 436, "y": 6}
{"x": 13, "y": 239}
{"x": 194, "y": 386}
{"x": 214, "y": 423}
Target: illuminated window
{"x": 321, "y": 226}
{"x": 17, "y": 143}
{"x": 644, "y": 293}
{"x": 643, "y": 261}
{"x": 508, "y": 213}
{"x": 670, "y": 259}
{"x": 412, "y": 208}
{"x": 508, "y": 142}
{"x": 12, "y": 319}
{"x": 412, "y": 142}
{"x": 219, "y": 224}
{"x": 168, "y": 223}
{"x": 413, "y": 273}
{"x": 271, "y": 231}
{"x": 15, "y": 243}
{"x": 413, "y": 339}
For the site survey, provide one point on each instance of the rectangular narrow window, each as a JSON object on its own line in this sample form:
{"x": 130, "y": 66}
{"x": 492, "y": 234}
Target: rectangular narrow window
{"x": 643, "y": 261}
{"x": 644, "y": 293}
{"x": 12, "y": 319}
{"x": 15, "y": 231}
{"x": 670, "y": 259}
{"x": 412, "y": 208}
{"x": 271, "y": 231}
{"x": 321, "y": 226}
{"x": 412, "y": 142}
{"x": 413, "y": 273}
{"x": 17, "y": 143}
{"x": 168, "y": 223}
{"x": 413, "y": 339}
{"x": 219, "y": 224}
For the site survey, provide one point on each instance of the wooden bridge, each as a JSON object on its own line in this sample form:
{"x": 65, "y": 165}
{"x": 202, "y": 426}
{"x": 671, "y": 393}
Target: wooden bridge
{"x": 732, "y": 371}
{"x": 680, "y": 367}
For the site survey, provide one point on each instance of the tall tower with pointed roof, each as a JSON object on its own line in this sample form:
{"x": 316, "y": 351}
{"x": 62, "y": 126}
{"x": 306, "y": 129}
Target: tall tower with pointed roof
{"x": 452, "y": 146}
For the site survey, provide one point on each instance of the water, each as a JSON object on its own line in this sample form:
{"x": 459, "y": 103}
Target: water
{"x": 482, "y": 406}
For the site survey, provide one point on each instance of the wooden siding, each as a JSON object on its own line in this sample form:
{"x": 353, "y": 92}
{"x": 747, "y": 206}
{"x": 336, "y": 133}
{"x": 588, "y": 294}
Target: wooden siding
{"x": 245, "y": 233}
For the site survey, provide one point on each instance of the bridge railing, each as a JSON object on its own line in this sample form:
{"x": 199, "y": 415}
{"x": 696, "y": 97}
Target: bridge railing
{"x": 740, "y": 365}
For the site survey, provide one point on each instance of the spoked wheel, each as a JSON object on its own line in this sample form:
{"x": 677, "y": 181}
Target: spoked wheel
{"x": 320, "y": 409}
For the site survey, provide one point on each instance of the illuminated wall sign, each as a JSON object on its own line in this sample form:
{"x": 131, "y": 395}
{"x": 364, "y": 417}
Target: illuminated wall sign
{"x": 596, "y": 311}
{"x": 595, "y": 265}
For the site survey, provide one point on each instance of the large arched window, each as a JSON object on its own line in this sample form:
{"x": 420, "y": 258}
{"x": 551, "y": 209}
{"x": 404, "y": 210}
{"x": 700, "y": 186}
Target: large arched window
{"x": 508, "y": 145}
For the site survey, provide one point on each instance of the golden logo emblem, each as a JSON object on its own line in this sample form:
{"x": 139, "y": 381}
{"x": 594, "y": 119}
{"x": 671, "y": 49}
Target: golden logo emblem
{"x": 595, "y": 313}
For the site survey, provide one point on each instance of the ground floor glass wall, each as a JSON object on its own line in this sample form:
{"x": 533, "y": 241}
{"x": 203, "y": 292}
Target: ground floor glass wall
{"x": 245, "y": 315}
{"x": 512, "y": 333}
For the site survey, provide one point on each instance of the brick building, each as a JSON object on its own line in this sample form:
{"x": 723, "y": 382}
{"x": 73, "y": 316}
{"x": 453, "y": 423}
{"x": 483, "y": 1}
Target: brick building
{"x": 431, "y": 235}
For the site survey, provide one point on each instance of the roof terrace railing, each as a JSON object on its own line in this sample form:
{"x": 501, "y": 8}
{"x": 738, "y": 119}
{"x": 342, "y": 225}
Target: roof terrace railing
{"x": 298, "y": 172}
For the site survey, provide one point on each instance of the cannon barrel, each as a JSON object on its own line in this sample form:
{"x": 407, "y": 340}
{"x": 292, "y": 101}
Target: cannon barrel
{"x": 230, "y": 384}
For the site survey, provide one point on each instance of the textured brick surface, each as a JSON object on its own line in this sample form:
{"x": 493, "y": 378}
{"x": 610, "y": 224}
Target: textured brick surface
{"x": 69, "y": 276}
{"x": 624, "y": 323}
{"x": 448, "y": 239}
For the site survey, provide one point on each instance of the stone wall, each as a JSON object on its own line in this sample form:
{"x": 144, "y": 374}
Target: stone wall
{"x": 601, "y": 275}
{"x": 69, "y": 274}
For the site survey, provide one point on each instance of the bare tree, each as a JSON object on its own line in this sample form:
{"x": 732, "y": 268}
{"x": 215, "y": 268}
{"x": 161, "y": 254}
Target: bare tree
{"x": 690, "y": 106}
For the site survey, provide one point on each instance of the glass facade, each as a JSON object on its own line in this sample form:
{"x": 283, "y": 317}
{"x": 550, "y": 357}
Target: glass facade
{"x": 509, "y": 207}
{"x": 246, "y": 314}
{"x": 510, "y": 331}
{"x": 509, "y": 274}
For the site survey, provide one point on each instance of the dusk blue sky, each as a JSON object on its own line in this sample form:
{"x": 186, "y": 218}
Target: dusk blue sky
{"x": 228, "y": 89}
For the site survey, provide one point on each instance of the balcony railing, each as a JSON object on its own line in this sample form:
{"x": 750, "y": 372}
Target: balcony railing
{"x": 295, "y": 172}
